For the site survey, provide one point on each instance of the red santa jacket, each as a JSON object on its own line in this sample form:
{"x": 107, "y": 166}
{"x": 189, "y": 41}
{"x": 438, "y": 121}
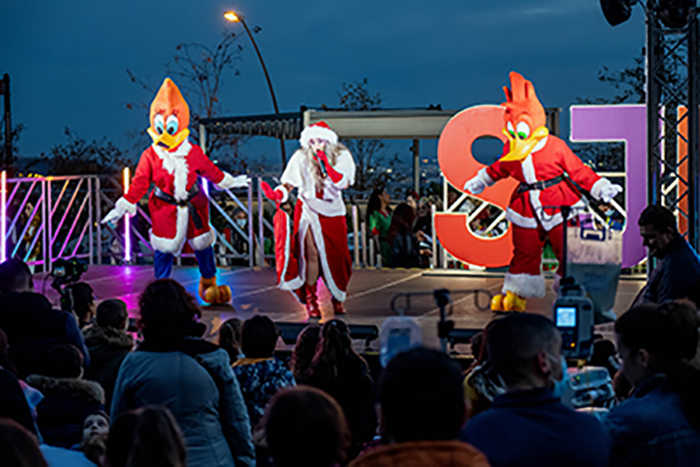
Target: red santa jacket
{"x": 175, "y": 173}
{"x": 551, "y": 160}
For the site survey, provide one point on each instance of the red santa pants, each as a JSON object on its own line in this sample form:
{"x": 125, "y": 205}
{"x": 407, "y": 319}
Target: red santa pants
{"x": 528, "y": 245}
{"x": 331, "y": 238}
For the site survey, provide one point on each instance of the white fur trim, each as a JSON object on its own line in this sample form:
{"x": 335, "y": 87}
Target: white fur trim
{"x": 297, "y": 281}
{"x": 229, "y": 181}
{"x": 125, "y": 207}
{"x": 285, "y": 193}
{"x": 540, "y": 144}
{"x": 175, "y": 164}
{"x": 520, "y": 220}
{"x": 484, "y": 177}
{"x": 599, "y": 186}
{"x": 310, "y": 219}
{"x": 524, "y": 285}
{"x": 173, "y": 245}
{"x": 203, "y": 241}
{"x": 547, "y": 221}
{"x": 313, "y": 132}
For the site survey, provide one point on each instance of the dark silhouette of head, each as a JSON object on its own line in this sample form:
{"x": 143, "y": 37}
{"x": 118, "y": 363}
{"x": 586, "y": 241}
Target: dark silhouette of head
{"x": 305, "y": 426}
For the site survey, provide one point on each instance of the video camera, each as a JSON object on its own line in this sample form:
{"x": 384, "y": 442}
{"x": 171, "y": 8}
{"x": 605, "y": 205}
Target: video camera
{"x": 574, "y": 318}
{"x": 65, "y": 272}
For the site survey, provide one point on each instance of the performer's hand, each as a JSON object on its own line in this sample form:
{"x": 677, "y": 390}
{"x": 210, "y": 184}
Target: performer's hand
{"x": 112, "y": 216}
{"x": 475, "y": 185}
{"x": 609, "y": 192}
{"x": 272, "y": 195}
{"x": 321, "y": 155}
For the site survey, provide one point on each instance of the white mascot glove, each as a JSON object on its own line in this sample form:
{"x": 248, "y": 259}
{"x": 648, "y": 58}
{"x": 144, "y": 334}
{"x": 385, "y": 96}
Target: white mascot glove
{"x": 121, "y": 207}
{"x": 608, "y": 192}
{"x": 475, "y": 185}
{"x": 229, "y": 181}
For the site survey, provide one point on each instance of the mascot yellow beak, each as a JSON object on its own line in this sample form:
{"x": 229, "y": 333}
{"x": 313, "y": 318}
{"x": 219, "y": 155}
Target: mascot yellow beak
{"x": 520, "y": 147}
{"x": 170, "y": 117}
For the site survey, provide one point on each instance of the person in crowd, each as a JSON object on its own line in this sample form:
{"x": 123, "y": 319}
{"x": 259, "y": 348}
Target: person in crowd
{"x": 13, "y": 403}
{"x": 405, "y": 248}
{"x": 344, "y": 375}
{"x": 603, "y": 355}
{"x": 30, "y": 322}
{"x": 230, "y": 337}
{"x": 422, "y": 411}
{"x": 305, "y": 426}
{"x": 95, "y": 434}
{"x": 176, "y": 368}
{"x": 18, "y": 446}
{"x": 379, "y": 219}
{"x": 68, "y": 399}
{"x": 108, "y": 344}
{"x": 481, "y": 384}
{"x": 259, "y": 373}
{"x": 424, "y": 218}
{"x": 412, "y": 199}
{"x": 84, "y": 306}
{"x": 148, "y": 436}
{"x": 304, "y": 351}
{"x": 659, "y": 424}
{"x": 528, "y": 425}
{"x": 677, "y": 275}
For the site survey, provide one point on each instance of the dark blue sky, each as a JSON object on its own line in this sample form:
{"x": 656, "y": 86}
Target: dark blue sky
{"x": 68, "y": 59}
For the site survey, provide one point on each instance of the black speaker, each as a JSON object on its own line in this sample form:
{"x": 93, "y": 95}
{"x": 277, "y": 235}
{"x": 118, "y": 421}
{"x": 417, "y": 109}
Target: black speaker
{"x": 617, "y": 11}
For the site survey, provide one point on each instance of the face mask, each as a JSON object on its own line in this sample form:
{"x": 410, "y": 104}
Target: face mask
{"x": 241, "y": 222}
{"x": 559, "y": 387}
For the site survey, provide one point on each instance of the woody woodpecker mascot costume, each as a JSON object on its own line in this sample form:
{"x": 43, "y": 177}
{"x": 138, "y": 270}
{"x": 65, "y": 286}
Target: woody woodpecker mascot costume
{"x": 179, "y": 209}
{"x": 545, "y": 167}
{"x": 317, "y": 243}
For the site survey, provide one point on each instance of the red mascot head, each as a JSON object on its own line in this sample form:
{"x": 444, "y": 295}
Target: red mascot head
{"x": 170, "y": 117}
{"x": 525, "y": 119}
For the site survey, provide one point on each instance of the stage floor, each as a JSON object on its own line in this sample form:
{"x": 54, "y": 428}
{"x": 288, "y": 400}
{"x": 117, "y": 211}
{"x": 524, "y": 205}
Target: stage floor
{"x": 368, "y": 302}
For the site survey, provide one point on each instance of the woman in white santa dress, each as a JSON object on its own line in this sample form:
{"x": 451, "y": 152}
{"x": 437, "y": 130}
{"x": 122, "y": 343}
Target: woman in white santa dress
{"x": 320, "y": 170}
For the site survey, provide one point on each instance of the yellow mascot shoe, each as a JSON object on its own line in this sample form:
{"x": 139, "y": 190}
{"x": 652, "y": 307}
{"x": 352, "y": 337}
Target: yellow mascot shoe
{"x": 224, "y": 294}
{"x": 497, "y": 302}
{"x": 208, "y": 290}
{"x": 512, "y": 302}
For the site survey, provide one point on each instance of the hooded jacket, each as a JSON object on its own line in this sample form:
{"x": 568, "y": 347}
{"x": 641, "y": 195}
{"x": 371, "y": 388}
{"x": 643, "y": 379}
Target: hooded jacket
{"x": 108, "y": 347}
{"x": 66, "y": 404}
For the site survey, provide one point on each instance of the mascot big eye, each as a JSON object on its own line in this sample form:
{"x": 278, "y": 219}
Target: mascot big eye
{"x": 179, "y": 209}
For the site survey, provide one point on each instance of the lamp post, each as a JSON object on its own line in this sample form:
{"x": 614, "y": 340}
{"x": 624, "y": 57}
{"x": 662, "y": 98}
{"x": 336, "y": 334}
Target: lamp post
{"x": 238, "y": 18}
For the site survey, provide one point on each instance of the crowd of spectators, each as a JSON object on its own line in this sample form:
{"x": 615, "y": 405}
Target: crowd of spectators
{"x": 77, "y": 388}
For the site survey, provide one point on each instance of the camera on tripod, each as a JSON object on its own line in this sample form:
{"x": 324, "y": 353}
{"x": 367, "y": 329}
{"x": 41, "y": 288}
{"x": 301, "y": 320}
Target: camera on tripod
{"x": 65, "y": 272}
{"x": 574, "y": 318}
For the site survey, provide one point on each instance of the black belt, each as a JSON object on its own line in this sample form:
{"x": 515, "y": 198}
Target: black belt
{"x": 170, "y": 199}
{"x": 523, "y": 187}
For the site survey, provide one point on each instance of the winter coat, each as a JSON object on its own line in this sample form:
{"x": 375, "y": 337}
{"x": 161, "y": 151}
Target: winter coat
{"x": 260, "y": 379}
{"x": 33, "y": 327}
{"x": 676, "y": 276}
{"x": 434, "y": 453}
{"x": 12, "y": 401}
{"x": 199, "y": 388}
{"x": 108, "y": 347}
{"x": 650, "y": 429}
{"x": 405, "y": 251}
{"x": 66, "y": 404}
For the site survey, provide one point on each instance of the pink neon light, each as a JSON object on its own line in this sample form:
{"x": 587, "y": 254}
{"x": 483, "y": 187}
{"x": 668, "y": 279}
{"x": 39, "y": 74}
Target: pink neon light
{"x": 3, "y": 216}
{"x": 127, "y": 222}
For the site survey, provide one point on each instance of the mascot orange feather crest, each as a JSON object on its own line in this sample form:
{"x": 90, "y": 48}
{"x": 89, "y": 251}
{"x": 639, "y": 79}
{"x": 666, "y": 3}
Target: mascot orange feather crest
{"x": 525, "y": 118}
{"x": 169, "y": 117}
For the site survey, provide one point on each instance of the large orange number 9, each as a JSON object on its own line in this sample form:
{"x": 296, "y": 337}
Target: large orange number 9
{"x": 458, "y": 165}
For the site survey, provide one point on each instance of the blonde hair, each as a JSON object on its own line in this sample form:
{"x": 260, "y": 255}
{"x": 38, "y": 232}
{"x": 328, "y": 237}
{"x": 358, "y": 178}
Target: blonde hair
{"x": 332, "y": 151}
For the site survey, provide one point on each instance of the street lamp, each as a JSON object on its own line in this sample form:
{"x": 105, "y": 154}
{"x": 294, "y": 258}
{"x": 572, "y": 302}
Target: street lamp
{"x": 238, "y": 18}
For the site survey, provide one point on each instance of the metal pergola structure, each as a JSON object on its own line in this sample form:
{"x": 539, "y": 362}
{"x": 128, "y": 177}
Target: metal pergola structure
{"x": 409, "y": 124}
{"x": 673, "y": 87}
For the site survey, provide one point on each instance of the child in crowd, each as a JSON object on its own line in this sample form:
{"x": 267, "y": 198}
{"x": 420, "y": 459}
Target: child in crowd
{"x": 230, "y": 338}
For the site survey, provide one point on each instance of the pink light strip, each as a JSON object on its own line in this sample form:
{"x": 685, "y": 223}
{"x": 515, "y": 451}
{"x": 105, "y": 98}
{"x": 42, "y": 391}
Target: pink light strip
{"x": 127, "y": 222}
{"x": 3, "y": 216}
